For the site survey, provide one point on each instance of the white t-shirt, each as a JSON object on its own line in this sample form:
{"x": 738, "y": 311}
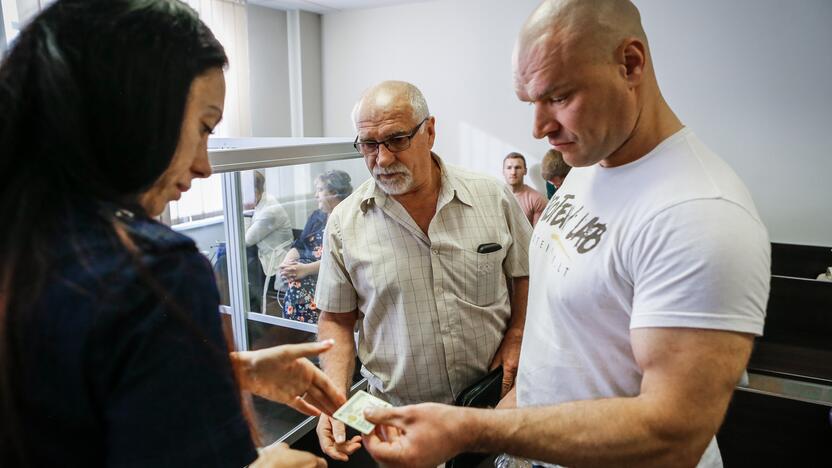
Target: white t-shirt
{"x": 670, "y": 240}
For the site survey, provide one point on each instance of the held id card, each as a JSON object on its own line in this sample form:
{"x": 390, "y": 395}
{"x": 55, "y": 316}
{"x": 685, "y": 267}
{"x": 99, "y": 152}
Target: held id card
{"x": 352, "y": 412}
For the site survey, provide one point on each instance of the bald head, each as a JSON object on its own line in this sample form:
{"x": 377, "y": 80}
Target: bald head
{"x": 586, "y": 29}
{"x": 390, "y": 96}
{"x": 586, "y": 67}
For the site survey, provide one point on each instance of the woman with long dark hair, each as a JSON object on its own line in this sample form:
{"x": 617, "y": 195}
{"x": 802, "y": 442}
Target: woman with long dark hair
{"x": 111, "y": 349}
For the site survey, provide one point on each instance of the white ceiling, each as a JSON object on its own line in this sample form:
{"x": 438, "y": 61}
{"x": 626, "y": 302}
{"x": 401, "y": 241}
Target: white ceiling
{"x": 328, "y": 6}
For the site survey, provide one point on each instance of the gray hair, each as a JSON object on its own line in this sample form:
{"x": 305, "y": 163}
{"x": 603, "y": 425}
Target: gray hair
{"x": 418, "y": 104}
{"x": 337, "y": 182}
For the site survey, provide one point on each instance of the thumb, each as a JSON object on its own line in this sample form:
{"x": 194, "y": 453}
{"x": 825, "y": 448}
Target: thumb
{"x": 386, "y": 416}
{"x": 339, "y": 432}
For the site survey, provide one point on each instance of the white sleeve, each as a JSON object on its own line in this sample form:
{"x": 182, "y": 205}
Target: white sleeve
{"x": 701, "y": 264}
{"x": 257, "y": 231}
{"x": 270, "y": 219}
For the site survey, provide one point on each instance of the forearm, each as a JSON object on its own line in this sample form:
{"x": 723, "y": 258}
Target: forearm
{"x": 609, "y": 432}
{"x": 255, "y": 233}
{"x": 314, "y": 267}
{"x": 339, "y": 363}
{"x": 519, "y": 301}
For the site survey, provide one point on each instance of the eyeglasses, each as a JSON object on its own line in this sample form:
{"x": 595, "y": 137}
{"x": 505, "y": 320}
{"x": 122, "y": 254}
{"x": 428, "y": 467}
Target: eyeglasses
{"x": 393, "y": 144}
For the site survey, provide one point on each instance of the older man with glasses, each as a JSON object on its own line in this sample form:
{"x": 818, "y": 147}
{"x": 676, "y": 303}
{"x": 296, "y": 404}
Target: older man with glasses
{"x": 430, "y": 260}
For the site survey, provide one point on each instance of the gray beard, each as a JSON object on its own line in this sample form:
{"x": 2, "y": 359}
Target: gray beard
{"x": 397, "y": 188}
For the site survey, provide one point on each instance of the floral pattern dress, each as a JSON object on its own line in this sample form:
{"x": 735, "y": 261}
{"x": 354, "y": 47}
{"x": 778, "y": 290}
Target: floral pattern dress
{"x": 299, "y": 302}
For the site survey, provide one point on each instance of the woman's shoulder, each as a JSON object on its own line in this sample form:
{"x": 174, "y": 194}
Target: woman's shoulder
{"x": 150, "y": 235}
{"x": 120, "y": 244}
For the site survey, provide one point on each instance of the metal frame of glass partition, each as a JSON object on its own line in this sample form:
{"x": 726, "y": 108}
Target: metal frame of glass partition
{"x": 229, "y": 156}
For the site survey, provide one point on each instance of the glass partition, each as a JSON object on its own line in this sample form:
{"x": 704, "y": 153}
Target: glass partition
{"x": 262, "y": 211}
{"x": 283, "y": 220}
{"x": 199, "y": 215}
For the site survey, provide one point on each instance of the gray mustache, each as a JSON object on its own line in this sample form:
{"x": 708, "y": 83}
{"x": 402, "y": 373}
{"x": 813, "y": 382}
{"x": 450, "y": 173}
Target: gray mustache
{"x": 394, "y": 169}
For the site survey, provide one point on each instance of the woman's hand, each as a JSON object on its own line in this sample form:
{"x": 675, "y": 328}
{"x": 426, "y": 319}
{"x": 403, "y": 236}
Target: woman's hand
{"x": 281, "y": 456}
{"x": 284, "y": 374}
{"x": 298, "y": 271}
{"x": 291, "y": 257}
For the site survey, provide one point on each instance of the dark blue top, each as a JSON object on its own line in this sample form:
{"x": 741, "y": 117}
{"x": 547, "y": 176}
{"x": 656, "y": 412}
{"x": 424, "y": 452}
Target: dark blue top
{"x": 306, "y": 243}
{"x": 124, "y": 359}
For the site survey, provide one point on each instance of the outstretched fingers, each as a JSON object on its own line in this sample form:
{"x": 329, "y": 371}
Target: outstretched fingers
{"x": 295, "y": 351}
{"x": 300, "y": 405}
{"x": 323, "y": 393}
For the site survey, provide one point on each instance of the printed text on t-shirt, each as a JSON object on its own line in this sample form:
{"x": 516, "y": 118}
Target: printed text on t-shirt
{"x": 584, "y": 232}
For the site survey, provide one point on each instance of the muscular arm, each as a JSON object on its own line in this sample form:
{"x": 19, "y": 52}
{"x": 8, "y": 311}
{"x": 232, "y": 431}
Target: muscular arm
{"x": 339, "y": 363}
{"x": 689, "y": 376}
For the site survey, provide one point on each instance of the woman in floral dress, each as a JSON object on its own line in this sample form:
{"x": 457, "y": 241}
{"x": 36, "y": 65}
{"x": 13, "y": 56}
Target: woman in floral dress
{"x": 300, "y": 266}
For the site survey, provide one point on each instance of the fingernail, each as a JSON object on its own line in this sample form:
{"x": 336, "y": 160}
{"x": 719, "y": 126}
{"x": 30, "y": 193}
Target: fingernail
{"x": 340, "y": 438}
{"x": 330, "y": 341}
{"x": 369, "y": 412}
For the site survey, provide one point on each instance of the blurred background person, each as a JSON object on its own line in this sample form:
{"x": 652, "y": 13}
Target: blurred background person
{"x": 530, "y": 200}
{"x": 111, "y": 348}
{"x": 300, "y": 266}
{"x": 553, "y": 169}
{"x": 270, "y": 229}
{"x": 271, "y": 232}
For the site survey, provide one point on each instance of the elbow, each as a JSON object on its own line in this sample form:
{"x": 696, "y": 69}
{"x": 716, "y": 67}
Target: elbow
{"x": 680, "y": 444}
{"x": 331, "y": 322}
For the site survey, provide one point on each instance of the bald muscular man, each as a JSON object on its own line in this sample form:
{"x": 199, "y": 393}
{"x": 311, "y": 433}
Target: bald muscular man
{"x": 649, "y": 271}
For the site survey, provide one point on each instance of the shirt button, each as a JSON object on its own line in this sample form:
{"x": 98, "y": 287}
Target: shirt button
{"x": 435, "y": 251}
{"x": 439, "y": 291}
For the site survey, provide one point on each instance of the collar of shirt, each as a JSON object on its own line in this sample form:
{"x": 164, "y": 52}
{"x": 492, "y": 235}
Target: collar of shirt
{"x": 449, "y": 188}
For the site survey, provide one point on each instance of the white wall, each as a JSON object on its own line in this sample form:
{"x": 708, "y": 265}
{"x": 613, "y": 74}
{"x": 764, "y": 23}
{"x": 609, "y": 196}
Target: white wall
{"x": 751, "y": 77}
{"x": 310, "y": 30}
{"x": 268, "y": 52}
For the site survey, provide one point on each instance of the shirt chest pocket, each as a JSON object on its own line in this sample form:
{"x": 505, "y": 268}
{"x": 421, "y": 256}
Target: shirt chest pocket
{"x": 484, "y": 280}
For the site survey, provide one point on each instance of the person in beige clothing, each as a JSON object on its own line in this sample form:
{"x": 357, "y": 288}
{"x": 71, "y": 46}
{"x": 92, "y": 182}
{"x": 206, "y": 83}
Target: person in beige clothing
{"x": 420, "y": 257}
{"x": 530, "y": 200}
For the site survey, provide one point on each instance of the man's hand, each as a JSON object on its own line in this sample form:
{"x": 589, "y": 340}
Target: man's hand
{"x": 422, "y": 435}
{"x": 283, "y": 374}
{"x": 508, "y": 356}
{"x": 281, "y": 456}
{"x": 332, "y": 436}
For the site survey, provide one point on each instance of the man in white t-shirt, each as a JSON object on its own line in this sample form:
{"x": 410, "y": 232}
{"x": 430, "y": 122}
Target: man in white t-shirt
{"x": 649, "y": 270}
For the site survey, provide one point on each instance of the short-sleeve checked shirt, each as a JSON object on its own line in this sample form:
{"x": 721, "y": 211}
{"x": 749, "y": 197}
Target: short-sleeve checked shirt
{"x": 433, "y": 311}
